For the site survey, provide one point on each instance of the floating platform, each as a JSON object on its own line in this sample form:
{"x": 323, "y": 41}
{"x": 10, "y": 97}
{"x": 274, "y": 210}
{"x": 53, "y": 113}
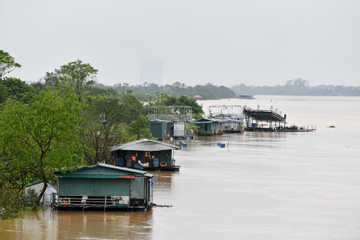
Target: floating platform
{"x": 278, "y": 130}
{"x": 264, "y": 115}
{"x": 263, "y": 120}
{"x": 175, "y": 168}
{"x": 99, "y": 203}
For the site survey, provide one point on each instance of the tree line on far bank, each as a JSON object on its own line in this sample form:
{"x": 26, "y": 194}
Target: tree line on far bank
{"x": 177, "y": 89}
{"x": 61, "y": 123}
{"x": 209, "y": 91}
{"x": 298, "y": 87}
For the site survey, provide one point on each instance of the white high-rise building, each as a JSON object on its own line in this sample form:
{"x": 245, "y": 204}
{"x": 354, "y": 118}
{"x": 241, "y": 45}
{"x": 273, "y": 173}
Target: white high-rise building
{"x": 151, "y": 71}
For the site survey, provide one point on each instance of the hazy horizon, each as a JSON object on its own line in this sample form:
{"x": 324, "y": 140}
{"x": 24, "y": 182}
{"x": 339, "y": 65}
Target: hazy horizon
{"x": 258, "y": 43}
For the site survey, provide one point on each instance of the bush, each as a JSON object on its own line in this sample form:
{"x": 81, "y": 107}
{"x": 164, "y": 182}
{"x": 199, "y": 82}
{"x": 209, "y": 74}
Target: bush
{"x": 11, "y": 202}
{"x": 31, "y": 197}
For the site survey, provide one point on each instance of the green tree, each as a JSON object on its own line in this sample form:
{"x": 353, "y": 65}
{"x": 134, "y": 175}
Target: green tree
{"x": 3, "y": 93}
{"x": 141, "y": 128}
{"x": 15, "y": 88}
{"x": 103, "y": 117}
{"x": 197, "y": 110}
{"x": 162, "y": 99}
{"x": 7, "y": 64}
{"x": 76, "y": 74}
{"x": 130, "y": 108}
{"x": 108, "y": 116}
{"x": 41, "y": 135}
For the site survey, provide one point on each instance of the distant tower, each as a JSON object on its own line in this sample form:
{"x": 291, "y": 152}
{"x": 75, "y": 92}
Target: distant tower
{"x": 151, "y": 71}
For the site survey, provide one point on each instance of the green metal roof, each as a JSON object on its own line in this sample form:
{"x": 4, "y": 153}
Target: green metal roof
{"x": 144, "y": 145}
{"x": 111, "y": 172}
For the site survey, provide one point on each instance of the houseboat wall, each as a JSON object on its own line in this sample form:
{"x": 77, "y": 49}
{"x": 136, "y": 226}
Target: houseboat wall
{"x": 145, "y": 154}
{"x": 125, "y": 158}
{"x": 179, "y": 129}
{"x": 104, "y": 188}
{"x": 37, "y": 188}
{"x": 159, "y": 129}
{"x": 212, "y": 128}
{"x": 233, "y": 126}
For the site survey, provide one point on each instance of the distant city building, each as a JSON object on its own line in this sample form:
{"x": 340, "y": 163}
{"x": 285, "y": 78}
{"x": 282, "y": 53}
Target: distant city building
{"x": 151, "y": 71}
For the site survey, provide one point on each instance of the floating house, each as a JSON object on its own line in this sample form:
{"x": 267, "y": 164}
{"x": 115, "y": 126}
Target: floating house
{"x": 145, "y": 154}
{"x": 231, "y": 117}
{"x": 208, "y": 127}
{"x": 177, "y": 129}
{"x": 230, "y": 123}
{"x": 160, "y": 129}
{"x": 34, "y": 190}
{"x": 169, "y": 121}
{"x": 104, "y": 186}
{"x": 163, "y": 129}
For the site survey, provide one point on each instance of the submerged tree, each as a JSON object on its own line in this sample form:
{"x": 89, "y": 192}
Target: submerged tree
{"x": 41, "y": 135}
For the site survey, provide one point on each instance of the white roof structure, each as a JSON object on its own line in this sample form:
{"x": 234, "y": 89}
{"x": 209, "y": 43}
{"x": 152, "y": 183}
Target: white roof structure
{"x": 144, "y": 145}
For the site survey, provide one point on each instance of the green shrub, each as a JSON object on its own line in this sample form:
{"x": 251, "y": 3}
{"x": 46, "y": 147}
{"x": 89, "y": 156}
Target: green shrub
{"x": 11, "y": 201}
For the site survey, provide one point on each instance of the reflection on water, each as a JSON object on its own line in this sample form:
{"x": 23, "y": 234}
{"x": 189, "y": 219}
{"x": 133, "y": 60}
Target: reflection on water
{"x": 52, "y": 224}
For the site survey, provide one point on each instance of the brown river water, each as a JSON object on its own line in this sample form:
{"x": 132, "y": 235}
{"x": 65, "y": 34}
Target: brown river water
{"x": 303, "y": 185}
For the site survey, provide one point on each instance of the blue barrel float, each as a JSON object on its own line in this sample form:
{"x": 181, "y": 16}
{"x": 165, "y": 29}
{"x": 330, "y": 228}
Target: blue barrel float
{"x": 222, "y": 145}
{"x": 156, "y": 162}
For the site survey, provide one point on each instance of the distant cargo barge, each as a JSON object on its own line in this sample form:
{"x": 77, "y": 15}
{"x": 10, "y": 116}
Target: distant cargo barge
{"x": 245, "y": 96}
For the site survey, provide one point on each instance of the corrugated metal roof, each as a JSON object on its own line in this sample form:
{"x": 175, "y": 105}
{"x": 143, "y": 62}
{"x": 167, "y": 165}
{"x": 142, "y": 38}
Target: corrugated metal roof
{"x": 124, "y": 169}
{"x": 144, "y": 145}
{"x": 219, "y": 120}
{"x": 198, "y": 122}
{"x": 129, "y": 170}
{"x": 204, "y": 120}
{"x": 159, "y": 120}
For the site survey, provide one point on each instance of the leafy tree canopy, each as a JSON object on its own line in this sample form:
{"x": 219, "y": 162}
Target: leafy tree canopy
{"x": 42, "y": 135}
{"x": 141, "y": 128}
{"x": 15, "y": 88}
{"x": 77, "y": 74}
{"x": 108, "y": 119}
{"x": 162, "y": 99}
{"x": 177, "y": 89}
{"x": 7, "y": 64}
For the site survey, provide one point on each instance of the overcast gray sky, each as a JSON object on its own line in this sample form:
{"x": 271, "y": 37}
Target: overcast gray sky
{"x": 256, "y": 42}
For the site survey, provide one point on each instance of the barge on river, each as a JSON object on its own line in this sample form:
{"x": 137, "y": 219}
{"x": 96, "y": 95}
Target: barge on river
{"x": 145, "y": 154}
{"x": 104, "y": 186}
